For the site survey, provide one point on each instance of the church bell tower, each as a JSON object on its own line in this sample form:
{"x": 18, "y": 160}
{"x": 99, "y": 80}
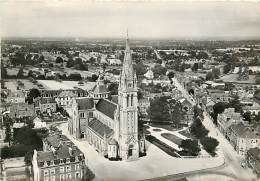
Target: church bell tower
{"x": 128, "y": 111}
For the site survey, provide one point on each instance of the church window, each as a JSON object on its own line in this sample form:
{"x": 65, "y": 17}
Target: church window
{"x": 129, "y": 85}
{"x": 132, "y": 98}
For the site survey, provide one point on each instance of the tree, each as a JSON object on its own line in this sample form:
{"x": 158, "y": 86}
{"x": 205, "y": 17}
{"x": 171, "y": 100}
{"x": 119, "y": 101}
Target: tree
{"x": 113, "y": 88}
{"x": 159, "y": 70}
{"x": 94, "y": 77}
{"x": 229, "y": 86}
{"x": 227, "y": 68}
{"x": 20, "y": 73}
{"x": 216, "y": 73}
{"x": 195, "y": 67}
{"x": 3, "y": 71}
{"x": 198, "y": 112}
{"x": 198, "y": 129}
{"x": 140, "y": 68}
{"x": 247, "y": 116}
{"x": 170, "y": 76}
{"x": 209, "y": 144}
{"x": 75, "y": 77}
{"x": 235, "y": 103}
{"x": 190, "y": 146}
{"x": 217, "y": 109}
{"x": 159, "y": 110}
{"x": 28, "y": 158}
{"x": 177, "y": 113}
{"x": 70, "y": 63}
{"x": 209, "y": 76}
{"x": 59, "y": 60}
{"x": 8, "y": 133}
{"x": 33, "y": 93}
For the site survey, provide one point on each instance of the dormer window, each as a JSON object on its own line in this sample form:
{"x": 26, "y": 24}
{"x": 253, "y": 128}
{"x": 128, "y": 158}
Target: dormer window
{"x": 129, "y": 84}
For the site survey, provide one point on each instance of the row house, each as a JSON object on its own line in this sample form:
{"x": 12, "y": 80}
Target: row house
{"x": 244, "y": 137}
{"x": 65, "y": 98}
{"x": 16, "y": 97}
{"x": 19, "y": 110}
{"x": 227, "y": 118}
{"x": 253, "y": 160}
{"x": 46, "y": 105}
{"x": 219, "y": 95}
{"x": 63, "y": 163}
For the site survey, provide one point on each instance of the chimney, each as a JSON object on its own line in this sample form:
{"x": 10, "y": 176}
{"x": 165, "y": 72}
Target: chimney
{"x": 70, "y": 151}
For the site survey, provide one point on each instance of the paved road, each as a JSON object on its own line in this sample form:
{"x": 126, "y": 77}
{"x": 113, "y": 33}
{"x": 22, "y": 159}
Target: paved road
{"x": 232, "y": 159}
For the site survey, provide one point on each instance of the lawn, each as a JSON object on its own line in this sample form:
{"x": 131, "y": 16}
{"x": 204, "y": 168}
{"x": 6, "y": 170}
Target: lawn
{"x": 172, "y": 138}
{"x": 164, "y": 147}
{"x": 187, "y": 134}
{"x": 157, "y": 130}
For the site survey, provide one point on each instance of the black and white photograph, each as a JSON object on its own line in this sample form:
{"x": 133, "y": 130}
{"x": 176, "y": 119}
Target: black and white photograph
{"x": 131, "y": 90}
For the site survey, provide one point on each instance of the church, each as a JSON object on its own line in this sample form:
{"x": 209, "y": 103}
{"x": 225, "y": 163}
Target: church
{"x": 111, "y": 125}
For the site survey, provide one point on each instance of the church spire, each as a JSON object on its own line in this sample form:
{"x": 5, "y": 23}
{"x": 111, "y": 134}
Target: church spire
{"x": 128, "y": 63}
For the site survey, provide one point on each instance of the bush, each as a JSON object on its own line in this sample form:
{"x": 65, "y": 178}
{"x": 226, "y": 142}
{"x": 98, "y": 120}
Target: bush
{"x": 190, "y": 146}
{"x": 209, "y": 144}
{"x": 198, "y": 130}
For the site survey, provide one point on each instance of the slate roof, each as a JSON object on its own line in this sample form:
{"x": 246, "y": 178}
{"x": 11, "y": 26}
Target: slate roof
{"x": 99, "y": 89}
{"x": 47, "y": 100}
{"x": 61, "y": 153}
{"x": 106, "y": 107}
{"x": 255, "y": 152}
{"x": 244, "y": 131}
{"x": 56, "y": 140}
{"x": 114, "y": 99}
{"x": 67, "y": 94}
{"x": 85, "y": 103}
{"x": 100, "y": 128}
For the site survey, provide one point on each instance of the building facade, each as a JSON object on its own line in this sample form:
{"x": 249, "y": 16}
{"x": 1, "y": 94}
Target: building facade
{"x": 59, "y": 160}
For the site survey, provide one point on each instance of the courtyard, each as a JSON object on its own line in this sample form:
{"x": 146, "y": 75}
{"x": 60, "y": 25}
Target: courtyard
{"x": 156, "y": 164}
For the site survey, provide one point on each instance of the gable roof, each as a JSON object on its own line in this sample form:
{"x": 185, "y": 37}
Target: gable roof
{"x": 100, "y": 88}
{"x": 85, "y": 103}
{"x": 100, "y": 128}
{"x": 106, "y": 107}
{"x": 67, "y": 94}
{"x": 61, "y": 153}
{"x": 114, "y": 99}
{"x": 47, "y": 100}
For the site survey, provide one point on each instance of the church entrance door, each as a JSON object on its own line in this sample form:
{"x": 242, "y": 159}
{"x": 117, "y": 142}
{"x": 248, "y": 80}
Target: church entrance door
{"x": 130, "y": 150}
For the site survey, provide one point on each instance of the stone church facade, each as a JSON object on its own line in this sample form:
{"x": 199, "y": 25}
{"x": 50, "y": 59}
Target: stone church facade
{"x": 111, "y": 126}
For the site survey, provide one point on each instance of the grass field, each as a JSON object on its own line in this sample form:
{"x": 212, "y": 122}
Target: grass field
{"x": 172, "y": 138}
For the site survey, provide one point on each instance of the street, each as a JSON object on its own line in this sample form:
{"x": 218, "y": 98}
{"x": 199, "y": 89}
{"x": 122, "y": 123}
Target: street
{"x": 232, "y": 159}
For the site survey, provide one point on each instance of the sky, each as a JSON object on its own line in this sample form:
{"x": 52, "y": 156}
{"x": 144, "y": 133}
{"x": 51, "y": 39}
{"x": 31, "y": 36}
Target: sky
{"x": 170, "y": 20}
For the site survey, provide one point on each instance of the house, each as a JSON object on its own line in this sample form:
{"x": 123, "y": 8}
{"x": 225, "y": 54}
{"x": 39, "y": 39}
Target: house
{"x": 188, "y": 109}
{"x": 149, "y": 74}
{"x": 111, "y": 127}
{"x": 14, "y": 169}
{"x": 38, "y": 123}
{"x": 219, "y": 95}
{"x": 227, "y": 118}
{"x": 46, "y": 105}
{"x": 64, "y": 99}
{"x": 19, "y": 110}
{"x": 65, "y": 162}
{"x": 144, "y": 105}
{"x": 243, "y": 137}
{"x": 253, "y": 160}
{"x": 100, "y": 89}
{"x": 16, "y": 97}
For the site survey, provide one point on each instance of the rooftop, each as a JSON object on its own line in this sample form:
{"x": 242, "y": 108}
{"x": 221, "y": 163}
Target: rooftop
{"x": 85, "y": 103}
{"x": 106, "y": 107}
{"x": 100, "y": 128}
